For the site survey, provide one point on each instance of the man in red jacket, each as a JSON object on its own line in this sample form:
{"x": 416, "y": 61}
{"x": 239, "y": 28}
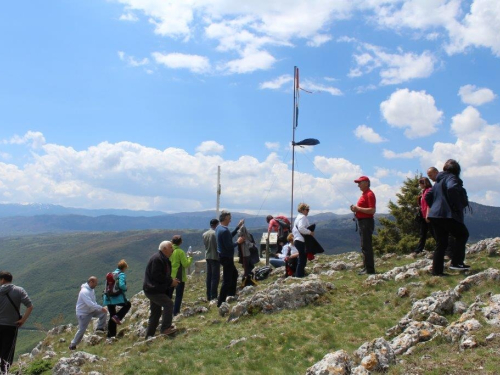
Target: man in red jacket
{"x": 364, "y": 211}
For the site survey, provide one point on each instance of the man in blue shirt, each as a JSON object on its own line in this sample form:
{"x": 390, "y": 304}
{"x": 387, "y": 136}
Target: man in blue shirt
{"x": 225, "y": 249}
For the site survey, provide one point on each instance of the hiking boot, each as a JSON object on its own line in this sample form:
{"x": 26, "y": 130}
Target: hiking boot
{"x": 72, "y": 347}
{"x": 362, "y": 272}
{"x": 116, "y": 319}
{"x": 459, "y": 267}
{"x": 169, "y": 331}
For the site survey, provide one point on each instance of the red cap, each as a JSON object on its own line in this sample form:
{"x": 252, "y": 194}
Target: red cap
{"x": 362, "y": 178}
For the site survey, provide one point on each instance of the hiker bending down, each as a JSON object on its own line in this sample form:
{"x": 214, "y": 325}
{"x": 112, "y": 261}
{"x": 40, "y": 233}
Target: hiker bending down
{"x": 179, "y": 262}
{"x": 280, "y": 225}
{"x": 300, "y": 228}
{"x": 86, "y": 309}
{"x": 114, "y": 295}
{"x": 225, "y": 249}
{"x": 157, "y": 282}
{"x": 11, "y": 297}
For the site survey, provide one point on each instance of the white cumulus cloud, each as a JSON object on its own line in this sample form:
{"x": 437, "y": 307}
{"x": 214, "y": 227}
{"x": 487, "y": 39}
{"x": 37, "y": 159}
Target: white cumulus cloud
{"x": 34, "y": 139}
{"x": 210, "y": 147}
{"x": 194, "y": 63}
{"x": 277, "y": 83}
{"x": 394, "y": 67}
{"x": 470, "y": 94}
{"x": 414, "y": 111}
{"x": 368, "y": 134}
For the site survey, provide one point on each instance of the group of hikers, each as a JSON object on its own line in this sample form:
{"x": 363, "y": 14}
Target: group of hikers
{"x": 441, "y": 208}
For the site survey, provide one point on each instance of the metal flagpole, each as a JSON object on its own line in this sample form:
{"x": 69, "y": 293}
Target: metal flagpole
{"x": 294, "y": 125}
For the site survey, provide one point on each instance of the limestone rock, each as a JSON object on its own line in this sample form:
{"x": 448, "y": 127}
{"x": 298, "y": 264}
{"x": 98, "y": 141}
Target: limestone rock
{"x": 60, "y": 329}
{"x": 491, "y": 274}
{"x": 92, "y": 340}
{"x": 437, "y": 320}
{"x": 403, "y": 292}
{"x": 72, "y": 365}
{"x": 490, "y": 245}
{"x": 279, "y": 296}
{"x": 376, "y": 355}
{"x": 337, "y": 363}
{"x": 439, "y": 302}
{"x": 224, "y": 309}
{"x": 492, "y": 311}
{"x": 414, "y": 333}
{"x": 455, "y": 331}
{"x": 459, "y": 307}
{"x": 468, "y": 342}
{"x": 236, "y": 341}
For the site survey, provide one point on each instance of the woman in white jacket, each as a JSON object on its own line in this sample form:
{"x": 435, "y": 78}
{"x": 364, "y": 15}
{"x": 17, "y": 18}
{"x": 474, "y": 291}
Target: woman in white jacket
{"x": 299, "y": 230}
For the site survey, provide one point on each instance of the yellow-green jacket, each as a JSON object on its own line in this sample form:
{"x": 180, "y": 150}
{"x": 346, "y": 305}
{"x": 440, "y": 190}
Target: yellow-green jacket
{"x": 177, "y": 259}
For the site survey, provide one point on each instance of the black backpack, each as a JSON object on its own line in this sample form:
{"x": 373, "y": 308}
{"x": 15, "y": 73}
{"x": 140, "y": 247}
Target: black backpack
{"x": 262, "y": 273}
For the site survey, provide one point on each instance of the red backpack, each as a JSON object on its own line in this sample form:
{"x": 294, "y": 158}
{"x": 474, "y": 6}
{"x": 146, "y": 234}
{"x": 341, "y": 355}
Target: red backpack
{"x": 112, "y": 289}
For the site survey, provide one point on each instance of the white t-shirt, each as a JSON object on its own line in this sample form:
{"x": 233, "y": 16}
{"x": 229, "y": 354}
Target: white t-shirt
{"x": 284, "y": 251}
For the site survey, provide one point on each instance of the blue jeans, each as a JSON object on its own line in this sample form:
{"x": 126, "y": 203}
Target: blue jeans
{"x": 213, "y": 278}
{"x": 277, "y": 263}
{"x": 301, "y": 264}
{"x": 83, "y": 322}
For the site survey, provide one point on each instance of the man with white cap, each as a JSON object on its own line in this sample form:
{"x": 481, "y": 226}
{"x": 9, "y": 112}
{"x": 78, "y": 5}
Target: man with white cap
{"x": 364, "y": 211}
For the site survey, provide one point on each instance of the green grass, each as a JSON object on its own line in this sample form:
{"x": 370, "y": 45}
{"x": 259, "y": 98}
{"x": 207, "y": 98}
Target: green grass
{"x": 288, "y": 342}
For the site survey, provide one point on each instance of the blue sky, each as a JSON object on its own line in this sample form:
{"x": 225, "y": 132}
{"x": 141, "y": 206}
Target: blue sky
{"x": 133, "y": 103}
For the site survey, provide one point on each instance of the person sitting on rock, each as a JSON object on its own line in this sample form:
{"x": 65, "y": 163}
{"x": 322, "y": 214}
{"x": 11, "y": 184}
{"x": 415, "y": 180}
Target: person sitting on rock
{"x": 117, "y": 300}
{"x": 86, "y": 309}
{"x": 289, "y": 252}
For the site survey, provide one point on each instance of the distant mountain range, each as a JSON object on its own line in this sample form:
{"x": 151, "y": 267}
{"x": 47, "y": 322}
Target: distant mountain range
{"x": 16, "y": 219}
{"x": 32, "y": 209}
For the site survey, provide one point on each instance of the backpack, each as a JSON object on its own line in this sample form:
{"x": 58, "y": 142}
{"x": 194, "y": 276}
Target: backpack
{"x": 262, "y": 273}
{"x": 284, "y": 224}
{"x": 112, "y": 289}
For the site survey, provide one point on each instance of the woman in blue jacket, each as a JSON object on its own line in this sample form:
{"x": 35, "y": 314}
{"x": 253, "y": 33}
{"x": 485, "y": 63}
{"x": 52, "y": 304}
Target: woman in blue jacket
{"x": 447, "y": 201}
{"x": 117, "y": 300}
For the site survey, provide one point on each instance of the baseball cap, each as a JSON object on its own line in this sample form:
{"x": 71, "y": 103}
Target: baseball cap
{"x": 362, "y": 178}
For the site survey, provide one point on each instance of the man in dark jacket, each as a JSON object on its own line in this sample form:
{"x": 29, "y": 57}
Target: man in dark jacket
{"x": 11, "y": 297}
{"x": 225, "y": 249}
{"x": 157, "y": 282}
{"x": 447, "y": 201}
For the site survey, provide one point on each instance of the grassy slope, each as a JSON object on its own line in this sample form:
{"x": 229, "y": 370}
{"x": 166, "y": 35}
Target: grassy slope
{"x": 289, "y": 342}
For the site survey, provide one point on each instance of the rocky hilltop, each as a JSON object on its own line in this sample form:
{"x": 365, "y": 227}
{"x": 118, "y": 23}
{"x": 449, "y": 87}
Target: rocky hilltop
{"x": 399, "y": 321}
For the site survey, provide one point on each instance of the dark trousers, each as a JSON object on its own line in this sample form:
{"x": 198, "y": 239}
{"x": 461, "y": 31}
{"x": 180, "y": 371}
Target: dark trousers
{"x": 8, "y": 335}
{"x": 229, "y": 279}
{"x": 425, "y": 228}
{"x": 179, "y": 293}
{"x": 157, "y": 303}
{"x": 301, "y": 264}
{"x": 443, "y": 228}
{"x": 366, "y": 228}
{"x": 213, "y": 277}
{"x": 120, "y": 314}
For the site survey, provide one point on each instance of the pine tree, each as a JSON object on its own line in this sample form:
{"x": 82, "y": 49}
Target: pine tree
{"x": 400, "y": 234}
